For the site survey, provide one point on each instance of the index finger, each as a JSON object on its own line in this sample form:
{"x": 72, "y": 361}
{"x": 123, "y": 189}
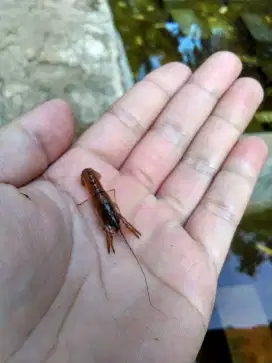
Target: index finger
{"x": 124, "y": 124}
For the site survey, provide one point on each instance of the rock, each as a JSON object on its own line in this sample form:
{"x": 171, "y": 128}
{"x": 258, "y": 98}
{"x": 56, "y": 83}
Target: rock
{"x": 64, "y": 49}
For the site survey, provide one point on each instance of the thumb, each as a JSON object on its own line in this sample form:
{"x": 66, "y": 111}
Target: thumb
{"x": 29, "y": 144}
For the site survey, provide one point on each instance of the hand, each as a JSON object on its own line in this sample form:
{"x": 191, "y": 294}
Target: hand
{"x": 171, "y": 149}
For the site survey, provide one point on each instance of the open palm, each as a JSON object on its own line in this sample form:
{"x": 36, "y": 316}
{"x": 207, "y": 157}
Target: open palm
{"x": 171, "y": 149}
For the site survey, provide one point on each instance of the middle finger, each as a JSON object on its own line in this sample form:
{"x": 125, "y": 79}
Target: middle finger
{"x": 164, "y": 144}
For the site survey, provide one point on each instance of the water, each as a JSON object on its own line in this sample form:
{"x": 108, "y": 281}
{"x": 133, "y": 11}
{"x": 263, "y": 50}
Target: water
{"x": 156, "y": 32}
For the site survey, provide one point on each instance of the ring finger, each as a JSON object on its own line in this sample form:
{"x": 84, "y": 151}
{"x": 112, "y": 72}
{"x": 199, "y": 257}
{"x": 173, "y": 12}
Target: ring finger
{"x": 188, "y": 182}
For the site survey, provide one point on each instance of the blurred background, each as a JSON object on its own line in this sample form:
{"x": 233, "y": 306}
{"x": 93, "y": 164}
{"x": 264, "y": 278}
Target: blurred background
{"x": 89, "y": 52}
{"x": 155, "y": 32}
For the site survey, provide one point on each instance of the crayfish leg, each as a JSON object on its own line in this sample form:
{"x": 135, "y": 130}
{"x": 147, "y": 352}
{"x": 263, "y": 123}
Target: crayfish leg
{"x": 109, "y": 238}
{"x": 130, "y": 227}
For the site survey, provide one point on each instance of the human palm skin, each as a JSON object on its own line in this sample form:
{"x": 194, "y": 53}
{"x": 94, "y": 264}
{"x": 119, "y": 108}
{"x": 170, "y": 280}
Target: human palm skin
{"x": 172, "y": 150}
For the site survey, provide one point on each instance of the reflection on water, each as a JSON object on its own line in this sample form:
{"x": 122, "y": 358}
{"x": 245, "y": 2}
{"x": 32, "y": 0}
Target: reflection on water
{"x": 252, "y": 243}
{"x": 245, "y": 247}
{"x": 154, "y": 61}
{"x": 187, "y": 45}
{"x": 241, "y": 324}
{"x": 237, "y": 345}
{"x": 265, "y": 249}
{"x": 155, "y": 32}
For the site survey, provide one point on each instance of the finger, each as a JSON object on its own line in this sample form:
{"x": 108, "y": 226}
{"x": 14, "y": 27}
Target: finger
{"x": 187, "y": 184}
{"x": 122, "y": 126}
{"x": 29, "y": 144}
{"x": 163, "y": 146}
{"x": 214, "y": 221}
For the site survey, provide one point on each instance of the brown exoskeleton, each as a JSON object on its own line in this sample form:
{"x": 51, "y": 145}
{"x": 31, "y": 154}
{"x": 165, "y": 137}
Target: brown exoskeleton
{"x": 107, "y": 210}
